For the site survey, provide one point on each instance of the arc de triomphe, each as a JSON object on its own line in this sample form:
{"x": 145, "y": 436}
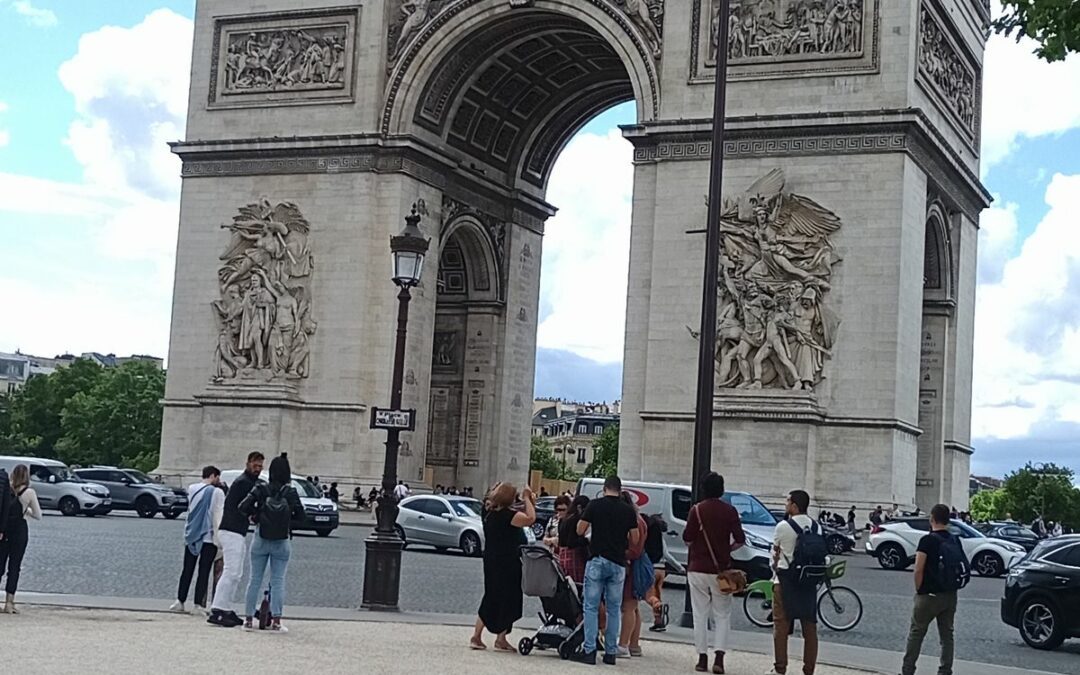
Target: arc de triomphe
{"x": 846, "y": 314}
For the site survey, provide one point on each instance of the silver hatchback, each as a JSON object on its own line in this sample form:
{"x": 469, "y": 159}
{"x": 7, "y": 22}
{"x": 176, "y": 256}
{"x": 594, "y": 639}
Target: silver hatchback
{"x": 442, "y": 521}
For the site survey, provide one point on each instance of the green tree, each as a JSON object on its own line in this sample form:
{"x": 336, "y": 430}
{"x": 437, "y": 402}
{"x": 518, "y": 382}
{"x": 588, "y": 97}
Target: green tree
{"x": 605, "y": 454}
{"x": 988, "y": 505}
{"x": 541, "y": 458}
{"x": 117, "y": 421}
{"x": 1053, "y": 24}
{"x": 34, "y": 425}
{"x": 1045, "y": 489}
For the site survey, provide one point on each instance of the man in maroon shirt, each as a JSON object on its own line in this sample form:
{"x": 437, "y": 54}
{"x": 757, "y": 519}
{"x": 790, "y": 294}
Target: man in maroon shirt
{"x": 710, "y": 529}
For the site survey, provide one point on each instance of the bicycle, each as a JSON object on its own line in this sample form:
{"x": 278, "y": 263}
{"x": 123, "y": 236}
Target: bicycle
{"x": 834, "y": 603}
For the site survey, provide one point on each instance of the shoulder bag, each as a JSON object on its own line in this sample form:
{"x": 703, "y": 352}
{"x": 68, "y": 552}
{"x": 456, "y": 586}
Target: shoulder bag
{"x": 730, "y": 581}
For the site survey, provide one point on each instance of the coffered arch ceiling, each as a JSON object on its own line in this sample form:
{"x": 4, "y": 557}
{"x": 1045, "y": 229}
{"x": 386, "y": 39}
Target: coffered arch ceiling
{"x": 518, "y": 89}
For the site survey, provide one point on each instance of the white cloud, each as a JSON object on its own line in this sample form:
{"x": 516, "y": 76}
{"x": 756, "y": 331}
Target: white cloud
{"x": 1023, "y": 96}
{"x": 130, "y": 91}
{"x": 5, "y": 135}
{"x": 587, "y": 248}
{"x": 35, "y": 16}
{"x": 1027, "y": 326}
{"x": 998, "y": 231}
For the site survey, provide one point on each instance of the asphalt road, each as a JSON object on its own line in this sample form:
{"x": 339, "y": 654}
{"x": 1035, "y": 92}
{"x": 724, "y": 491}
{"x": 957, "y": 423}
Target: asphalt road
{"x": 130, "y": 557}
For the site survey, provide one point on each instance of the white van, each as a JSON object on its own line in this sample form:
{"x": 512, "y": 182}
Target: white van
{"x": 673, "y": 503}
{"x": 58, "y": 488}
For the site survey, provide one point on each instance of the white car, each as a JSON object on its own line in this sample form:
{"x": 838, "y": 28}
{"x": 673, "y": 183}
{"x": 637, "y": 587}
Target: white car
{"x": 894, "y": 544}
{"x": 321, "y": 515}
{"x": 445, "y": 521}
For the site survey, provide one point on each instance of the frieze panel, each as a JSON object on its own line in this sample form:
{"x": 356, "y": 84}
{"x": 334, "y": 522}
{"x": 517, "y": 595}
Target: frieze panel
{"x": 769, "y": 39}
{"x": 947, "y": 74}
{"x": 264, "y": 306}
{"x": 285, "y": 58}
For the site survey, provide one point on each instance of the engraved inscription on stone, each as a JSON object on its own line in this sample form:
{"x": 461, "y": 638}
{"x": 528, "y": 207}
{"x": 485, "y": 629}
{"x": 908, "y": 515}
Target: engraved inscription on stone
{"x": 945, "y": 72}
{"x": 474, "y": 413}
{"x": 444, "y": 426}
{"x": 304, "y": 56}
{"x": 789, "y": 29}
{"x": 264, "y": 309}
{"x": 774, "y": 328}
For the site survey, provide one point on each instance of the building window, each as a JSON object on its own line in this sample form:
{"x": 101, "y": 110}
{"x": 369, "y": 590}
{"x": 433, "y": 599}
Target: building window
{"x": 598, "y": 429}
{"x": 11, "y": 387}
{"x": 581, "y": 455}
{"x": 583, "y": 428}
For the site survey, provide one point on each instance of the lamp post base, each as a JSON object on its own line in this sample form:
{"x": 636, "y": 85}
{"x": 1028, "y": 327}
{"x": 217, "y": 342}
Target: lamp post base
{"x": 382, "y": 572}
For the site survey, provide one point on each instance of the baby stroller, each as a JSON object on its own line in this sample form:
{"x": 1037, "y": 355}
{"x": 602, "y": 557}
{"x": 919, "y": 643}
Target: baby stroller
{"x": 542, "y": 578}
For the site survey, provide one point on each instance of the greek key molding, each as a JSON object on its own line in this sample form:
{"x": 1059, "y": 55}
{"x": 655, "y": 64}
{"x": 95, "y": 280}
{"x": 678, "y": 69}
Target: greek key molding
{"x": 766, "y": 147}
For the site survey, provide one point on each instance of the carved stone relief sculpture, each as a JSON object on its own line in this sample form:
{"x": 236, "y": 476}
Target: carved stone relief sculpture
{"x": 774, "y": 327}
{"x": 283, "y": 58}
{"x": 264, "y": 310}
{"x": 648, "y": 17}
{"x": 946, "y": 73}
{"x": 766, "y": 29}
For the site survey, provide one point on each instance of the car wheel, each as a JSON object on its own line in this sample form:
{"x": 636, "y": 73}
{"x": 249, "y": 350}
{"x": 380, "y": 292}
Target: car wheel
{"x": 836, "y": 544}
{"x": 323, "y": 532}
{"x": 146, "y": 507}
{"x": 470, "y": 544}
{"x": 69, "y": 506}
{"x": 1040, "y": 624}
{"x": 401, "y": 535}
{"x": 891, "y": 556}
{"x": 988, "y": 564}
{"x": 171, "y": 515}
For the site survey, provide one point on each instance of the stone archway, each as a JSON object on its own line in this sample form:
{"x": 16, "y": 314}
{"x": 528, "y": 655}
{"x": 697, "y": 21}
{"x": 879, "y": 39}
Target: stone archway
{"x": 315, "y": 126}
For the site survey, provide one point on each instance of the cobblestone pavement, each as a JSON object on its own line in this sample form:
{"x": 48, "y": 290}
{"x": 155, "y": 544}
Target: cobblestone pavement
{"x": 120, "y": 643}
{"x": 130, "y": 557}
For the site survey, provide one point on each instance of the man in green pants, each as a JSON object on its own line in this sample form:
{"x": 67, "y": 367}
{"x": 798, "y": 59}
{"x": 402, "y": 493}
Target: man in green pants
{"x": 941, "y": 569}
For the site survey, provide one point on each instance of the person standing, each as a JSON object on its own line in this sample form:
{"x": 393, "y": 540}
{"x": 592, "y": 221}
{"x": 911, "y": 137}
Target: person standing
{"x": 851, "y": 520}
{"x": 573, "y": 547}
{"x": 711, "y": 527}
{"x": 794, "y": 595}
{"x": 233, "y": 537}
{"x": 501, "y": 605}
{"x": 656, "y": 549}
{"x": 333, "y": 494}
{"x": 272, "y": 507}
{"x": 401, "y": 491}
{"x": 22, "y": 502}
{"x": 551, "y": 530}
{"x": 941, "y": 569}
{"x": 206, "y": 504}
{"x": 614, "y": 526}
{"x": 630, "y": 628}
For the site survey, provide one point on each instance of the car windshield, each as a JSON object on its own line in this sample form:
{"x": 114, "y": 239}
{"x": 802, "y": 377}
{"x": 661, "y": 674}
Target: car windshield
{"x": 304, "y": 488}
{"x": 138, "y": 477}
{"x": 751, "y": 511}
{"x": 965, "y": 531}
{"x": 466, "y": 508}
{"x": 63, "y": 474}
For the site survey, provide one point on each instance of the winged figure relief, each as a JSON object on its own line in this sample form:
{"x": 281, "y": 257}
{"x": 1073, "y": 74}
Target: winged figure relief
{"x": 774, "y": 328}
{"x": 264, "y": 309}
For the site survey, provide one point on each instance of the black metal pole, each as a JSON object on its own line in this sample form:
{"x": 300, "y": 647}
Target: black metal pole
{"x": 706, "y": 380}
{"x": 382, "y": 564}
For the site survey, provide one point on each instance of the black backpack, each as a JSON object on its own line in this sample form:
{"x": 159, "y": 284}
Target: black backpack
{"x": 808, "y": 562}
{"x": 953, "y": 570}
{"x": 275, "y": 516}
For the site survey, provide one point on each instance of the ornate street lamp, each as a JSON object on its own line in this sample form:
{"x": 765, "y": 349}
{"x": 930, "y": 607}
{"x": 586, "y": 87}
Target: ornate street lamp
{"x": 382, "y": 563}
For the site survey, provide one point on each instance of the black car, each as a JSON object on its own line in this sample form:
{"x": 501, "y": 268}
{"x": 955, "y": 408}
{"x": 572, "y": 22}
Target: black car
{"x": 839, "y": 541}
{"x": 1014, "y": 532}
{"x": 545, "y": 509}
{"x": 1042, "y": 593}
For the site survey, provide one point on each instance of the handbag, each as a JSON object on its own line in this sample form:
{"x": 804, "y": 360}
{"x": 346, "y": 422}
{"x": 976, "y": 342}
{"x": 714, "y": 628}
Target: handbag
{"x": 730, "y": 581}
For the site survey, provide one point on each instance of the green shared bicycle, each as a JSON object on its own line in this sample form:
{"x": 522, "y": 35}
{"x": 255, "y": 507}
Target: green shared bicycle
{"x": 838, "y": 607}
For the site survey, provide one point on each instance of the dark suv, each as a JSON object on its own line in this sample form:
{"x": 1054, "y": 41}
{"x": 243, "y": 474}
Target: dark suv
{"x": 133, "y": 490}
{"x": 1042, "y": 593}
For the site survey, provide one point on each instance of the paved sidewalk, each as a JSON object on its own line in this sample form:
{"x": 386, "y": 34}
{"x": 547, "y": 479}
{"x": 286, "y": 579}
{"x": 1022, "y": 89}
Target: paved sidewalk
{"x": 123, "y": 642}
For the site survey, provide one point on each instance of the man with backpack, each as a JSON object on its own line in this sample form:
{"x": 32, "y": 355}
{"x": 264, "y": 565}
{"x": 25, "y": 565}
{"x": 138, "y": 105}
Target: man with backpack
{"x": 799, "y": 558}
{"x": 232, "y": 533}
{"x": 941, "y": 569}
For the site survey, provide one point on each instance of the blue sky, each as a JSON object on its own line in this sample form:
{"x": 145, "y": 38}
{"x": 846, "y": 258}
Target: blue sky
{"x": 89, "y": 193}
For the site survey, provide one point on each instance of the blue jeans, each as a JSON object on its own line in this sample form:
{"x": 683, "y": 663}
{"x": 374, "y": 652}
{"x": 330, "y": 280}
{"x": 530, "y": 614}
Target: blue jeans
{"x": 263, "y": 551}
{"x": 603, "y": 578}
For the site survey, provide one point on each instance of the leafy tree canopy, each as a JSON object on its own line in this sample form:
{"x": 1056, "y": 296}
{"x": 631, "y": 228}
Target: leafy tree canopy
{"x": 1035, "y": 489}
{"x": 1053, "y": 24}
{"x": 541, "y": 458}
{"x": 605, "y": 454}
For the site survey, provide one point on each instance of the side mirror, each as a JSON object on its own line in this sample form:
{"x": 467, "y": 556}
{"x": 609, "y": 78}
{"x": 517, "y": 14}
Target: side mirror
{"x": 52, "y": 479}
{"x": 448, "y": 516}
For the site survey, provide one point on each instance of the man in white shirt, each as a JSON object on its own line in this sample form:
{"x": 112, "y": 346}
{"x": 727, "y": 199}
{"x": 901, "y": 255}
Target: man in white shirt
{"x": 797, "y": 598}
{"x": 401, "y": 491}
{"x": 206, "y": 504}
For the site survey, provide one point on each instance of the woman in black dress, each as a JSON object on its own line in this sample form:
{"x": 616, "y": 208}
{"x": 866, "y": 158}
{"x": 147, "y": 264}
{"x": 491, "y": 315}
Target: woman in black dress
{"x": 503, "y": 537}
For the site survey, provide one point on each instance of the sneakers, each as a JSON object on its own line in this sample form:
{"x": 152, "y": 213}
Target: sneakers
{"x": 635, "y": 651}
{"x": 588, "y": 658}
{"x": 623, "y": 653}
{"x": 199, "y": 610}
{"x": 224, "y": 619}
{"x": 278, "y": 628}
{"x": 609, "y": 659}
{"x": 178, "y": 607}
